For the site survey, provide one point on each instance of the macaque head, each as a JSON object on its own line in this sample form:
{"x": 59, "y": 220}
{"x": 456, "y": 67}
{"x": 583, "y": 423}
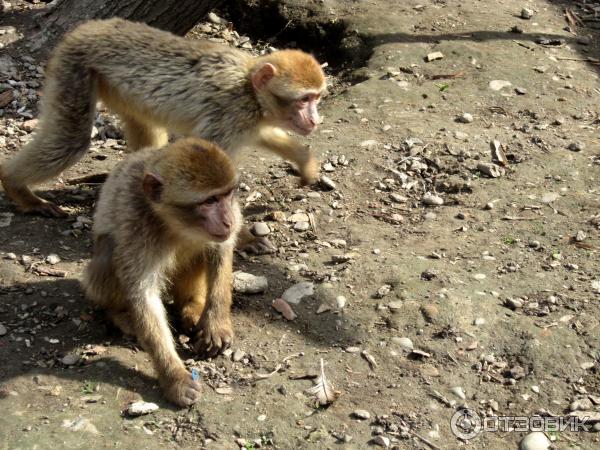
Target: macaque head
{"x": 192, "y": 189}
{"x": 288, "y": 86}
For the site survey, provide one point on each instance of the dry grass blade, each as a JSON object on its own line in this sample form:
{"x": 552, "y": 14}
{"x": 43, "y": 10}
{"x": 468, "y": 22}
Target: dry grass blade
{"x": 324, "y": 390}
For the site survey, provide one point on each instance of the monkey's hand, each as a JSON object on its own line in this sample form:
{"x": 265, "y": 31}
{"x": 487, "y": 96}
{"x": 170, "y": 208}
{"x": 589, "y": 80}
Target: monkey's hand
{"x": 309, "y": 170}
{"x": 249, "y": 243}
{"x": 181, "y": 389}
{"x": 214, "y": 335}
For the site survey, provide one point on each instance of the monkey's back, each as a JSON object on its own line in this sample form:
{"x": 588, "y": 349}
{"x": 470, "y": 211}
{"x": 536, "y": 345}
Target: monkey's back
{"x": 165, "y": 78}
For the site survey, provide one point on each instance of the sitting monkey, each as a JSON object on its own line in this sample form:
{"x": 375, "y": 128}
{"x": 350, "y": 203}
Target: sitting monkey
{"x": 167, "y": 220}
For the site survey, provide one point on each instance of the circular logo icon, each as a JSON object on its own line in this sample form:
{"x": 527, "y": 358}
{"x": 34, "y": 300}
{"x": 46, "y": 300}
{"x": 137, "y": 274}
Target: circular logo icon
{"x": 466, "y": 424}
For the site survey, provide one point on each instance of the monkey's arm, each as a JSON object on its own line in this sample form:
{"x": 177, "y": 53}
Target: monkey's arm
{"x": 279, "y": 142}
{"x": 215, "y": 332}
{"x": 149, "y": 319}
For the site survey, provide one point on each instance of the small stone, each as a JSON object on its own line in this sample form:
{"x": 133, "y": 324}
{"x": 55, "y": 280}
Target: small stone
{"x": 583, "y": 404}
{"x": 11, "y": 256}
{"x": 3, "y": 330}
{"x": 361, "y": 414}
{"x": 526, "y": 13}
{"x": 465, "y": 118}
{"x": 433, "y": 56}
{"x": 395, "y": 306}
{"x": 496, "y": 85}
{"x": 490, "y": 169}
{"x": 535, "y": 440}
{"x": 277, "y": 216}
{"x": 281, "y": 306}
{"x": 405, "y": 343}
{"x": 298, "y": 217}
{"x": 52, "y": 259}
{"x": 381, "y": 441}
{"x": 479, "y": 321}
{"x": 70, "y": 359}
{"x": 534, "y": 244}
{"x": 352, "y": 349}
{"x": 369, "y": 144}
{"x": 488, "y": 206}
{"x": 328, "y": 167}
{"x": 238, "y": 355}
{"x": 340, "y": 301}
{"x": 549, "y": 197}
{"x": 297, "y": 292}
{"x": 29, "y": 125}
{"x": 383, "y": 291}
{"x": 579, "y": 237}
{"x": 521, "y": 91}
{"x": 141, "y": 408}
{"x": 323, "y": 307}
{"x": 397, "y": 198}
{"x": 513, "y": 303}
{"x": 260, "y": 229}
{"x": 480, "y": 276}
{"x": 432, "y": 199}
{"x": 535, "y": 389}
{"x": 301, "y": 226}
{"x": 246, "y": 283}
{"x": 213, "y": 18}
{"x": 576, "y": 146}
{"x": 430, "y": 312}
{"x": 459, "y": 392}
{"x": 327, "y": 182}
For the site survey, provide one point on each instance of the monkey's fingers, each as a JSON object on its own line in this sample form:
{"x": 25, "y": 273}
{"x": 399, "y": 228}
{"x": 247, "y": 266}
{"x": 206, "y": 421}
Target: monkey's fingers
{"x": 183, "y": 391}
{"x": 259, "y": 246}
{"x": 210, "y": 344}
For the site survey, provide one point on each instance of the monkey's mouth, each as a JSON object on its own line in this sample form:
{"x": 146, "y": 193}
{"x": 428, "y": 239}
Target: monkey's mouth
{"x": 217, "y": 237}
{"x": 303, "y": 130}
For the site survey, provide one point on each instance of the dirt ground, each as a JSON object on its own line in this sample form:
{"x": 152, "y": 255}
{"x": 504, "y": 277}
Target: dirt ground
{"x": 497, "y": 290}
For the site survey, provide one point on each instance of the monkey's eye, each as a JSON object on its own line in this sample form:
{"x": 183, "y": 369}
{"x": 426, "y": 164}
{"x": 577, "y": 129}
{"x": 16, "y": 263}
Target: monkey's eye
{"x": 305, "y": 99}
{"x": 210, "y": 200}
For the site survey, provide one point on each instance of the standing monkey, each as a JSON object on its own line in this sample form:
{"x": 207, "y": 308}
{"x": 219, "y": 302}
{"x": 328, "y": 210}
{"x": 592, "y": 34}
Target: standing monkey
{"x": 156, "y": 81}
{"x": 168, "y": 219}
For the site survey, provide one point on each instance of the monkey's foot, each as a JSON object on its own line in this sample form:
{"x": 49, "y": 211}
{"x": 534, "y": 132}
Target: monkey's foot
{"x": 214, "y": 337}
{"x": 181, "y": 389}
{"x": 44, "y": 208}
{"x": 258, "y": 246}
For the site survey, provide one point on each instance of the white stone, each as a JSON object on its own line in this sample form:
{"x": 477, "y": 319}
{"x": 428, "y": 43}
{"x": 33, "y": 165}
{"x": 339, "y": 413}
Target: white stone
{"x": 246, "y": 283}
{"x": 298, "y": 291}
{"x": 52, "y": 259}
{"x": 496, "y": 85}
{"x": 141, "y": 408}
{"x": 535, "y": 441}
{"x": 405, "y": 343}
{"x": 260, "y": 229}
{"x": 459, "y": 392}
{"x": 301, "y": 226}
{"x": 432, "y": 199}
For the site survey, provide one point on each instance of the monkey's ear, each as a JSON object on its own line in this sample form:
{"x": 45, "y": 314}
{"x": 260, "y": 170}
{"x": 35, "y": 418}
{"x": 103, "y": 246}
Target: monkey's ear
{"x": 153, "y": 186}
{"x": 262, "y": 75}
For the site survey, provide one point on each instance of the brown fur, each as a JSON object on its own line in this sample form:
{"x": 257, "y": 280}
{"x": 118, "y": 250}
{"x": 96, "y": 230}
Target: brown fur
{"x": 156, "y": 82}
{"x": 142, "y": 249}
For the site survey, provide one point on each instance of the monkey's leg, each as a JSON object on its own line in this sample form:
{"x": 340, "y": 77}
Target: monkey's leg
{"x": 277, "y": 141}
{"x": 142, "y": 134}
{"x": 189, "y": 292}
{"x": 149, "y": 319}
{"x": 215, "y": 327}
{"x": 61, "y": 139}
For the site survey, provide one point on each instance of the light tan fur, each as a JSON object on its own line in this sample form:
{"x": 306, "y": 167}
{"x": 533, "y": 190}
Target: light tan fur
{"x": 147, "y": 243}
{"x": 156, "y": 82}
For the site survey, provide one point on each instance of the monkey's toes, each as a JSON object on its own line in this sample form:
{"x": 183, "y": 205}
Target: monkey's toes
{"x": 259, "y": 246}
{"x": 46, "y": 209}
{"x": 183, "y": 391}
{"x": 211, "y": 342}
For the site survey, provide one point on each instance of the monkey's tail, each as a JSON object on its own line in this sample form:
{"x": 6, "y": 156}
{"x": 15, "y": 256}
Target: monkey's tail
{"x": 64, "y": 131}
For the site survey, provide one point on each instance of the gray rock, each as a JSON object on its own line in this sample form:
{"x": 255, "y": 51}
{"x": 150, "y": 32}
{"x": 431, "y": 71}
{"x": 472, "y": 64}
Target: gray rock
{"x": 238, "y": 355}
{"x": 490, "y": 169}
{"x": 381, "y": 441}
{"x": 327, "y": 182}
{"x": 70, "y": 359}
{"x": 361, "y": 414}
{"x": 535, "y": 441}
{"x": 3, "y": 330}
{"x": 405, "y": 343}
{"x": 465, "y": 118}
{"x": 576, "y": 146}
{"x": 246, "y": 283}
{"x": 526, "y": 13}
{"x": 260, "y": 229}
{"x": 52, "y": 259}
{"x": 301, "y": 226}
{"x": 432, "y": 199}
{"x": 513, "y": 303}
{"x": 141, "y": 408}
{"x": 298, "y": 291}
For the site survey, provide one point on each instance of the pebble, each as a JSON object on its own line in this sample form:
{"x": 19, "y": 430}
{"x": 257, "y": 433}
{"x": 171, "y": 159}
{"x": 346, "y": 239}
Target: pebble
{"x": 52, "y": 259}
{"x": 238, "y": 355}
{"x": 11, "y": 256}
{"x": 398, "y": 198}
{"x": 323, "y": 307}
{"x": 535, "y": 389}
{"x": 535, "y": 440}
{"x": 405, "y": 343}
{"x": 432, "y": 199}
{"x": 3, "y": 330}
{"x": 246, "y": 283}
{"x": 212, "y": 17}
{"x": 526, "y": 13}
{"x": 521, "y": 90}
{"x": 369, "y": 144}
{"x": 327, "y": 182}
{"x": 301, "y": 226}
{"x": 328, "y": 167}
{"x": 352, "y": 349}
{"x": 480, "y": 276}
{"x": 260, "y": 229}
{"x": 549, "y": 197}
{"x": 490, "y": 169}
{"x": 383, "y": 291}
{"x": 579, "y": 237}
{"x": 583, "y": 404}
{"x": 141, "y": 408}
{"x": 430, "y": 312}
{"x": 488, "y": 206}
{"x": 459, "y": 392}
{"x": 576, "y": 146}
{"x": 29, "y": 125}
{"x": 70, "y": 359}
{"x": 382, "y": 441}
{"x": 513, "y": 303}
{"x": 298, "y": 217}
{"x": 433, "y": 56}
{"x": 395, "y": 306}
{"x": 465, "y": 118}
{"x": 340, "y": 301}
{"x": 361, "y": 414}
{"x": 496, "y": 85}
{"x": 298, "y": 291}
{"x": 284, "y": 308}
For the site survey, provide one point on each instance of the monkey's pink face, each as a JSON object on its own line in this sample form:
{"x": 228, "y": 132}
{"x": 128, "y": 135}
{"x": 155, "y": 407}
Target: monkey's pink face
{"x": 304, "y": 115}
{"x": 216, "y": 216}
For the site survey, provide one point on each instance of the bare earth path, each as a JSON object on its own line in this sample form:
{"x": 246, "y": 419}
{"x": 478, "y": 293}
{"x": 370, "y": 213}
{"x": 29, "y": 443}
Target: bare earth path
{"x": 497, "y": 290}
